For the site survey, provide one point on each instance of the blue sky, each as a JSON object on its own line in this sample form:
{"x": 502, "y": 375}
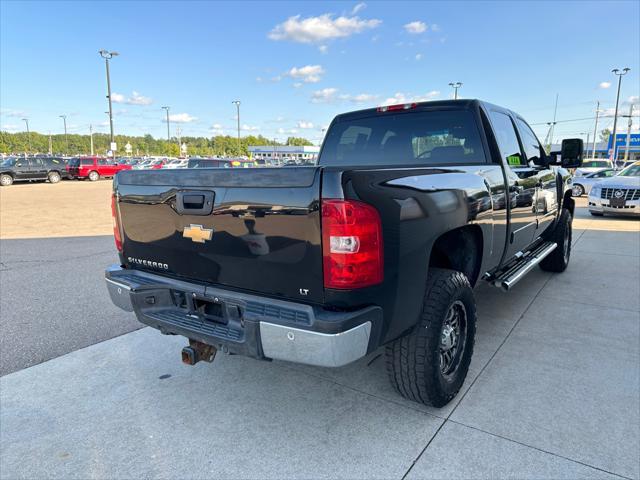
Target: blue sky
{"x": 294, "y": 65}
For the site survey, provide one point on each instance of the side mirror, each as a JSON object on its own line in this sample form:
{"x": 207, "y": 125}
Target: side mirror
{"x": 571, "y": 152}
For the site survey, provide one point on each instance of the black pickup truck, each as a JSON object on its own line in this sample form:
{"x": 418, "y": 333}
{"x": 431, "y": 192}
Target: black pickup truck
{"x": 380, "y": 244}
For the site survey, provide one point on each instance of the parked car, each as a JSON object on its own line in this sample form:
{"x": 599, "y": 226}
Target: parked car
{"x": 177, "y": 163}
{"x": 17, "y": 169}
{"x": 208, "y": 163}
{"x": 592, "y": 165}
{"x": 152, "y": 163}
{"x": 617, "y": 195}
{"x": 582, "y": 185}
{"x": 379, "y": 244}
{"x": 94, "y": 168}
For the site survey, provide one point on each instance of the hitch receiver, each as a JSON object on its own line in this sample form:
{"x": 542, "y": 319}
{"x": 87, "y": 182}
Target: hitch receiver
{"x": 197, "y": 351}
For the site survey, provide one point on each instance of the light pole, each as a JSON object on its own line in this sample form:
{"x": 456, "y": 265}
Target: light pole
{"x": 455, "y": 86}
{"x": 595, "y": 131}
{"x": 108, "y": 56}
{"x": 620, "y": 74}
{"x": 26, "y": 121}
{"x": 66, "y": 139}
{"x": 168, "y": 134}
{"x": 237, "y": 104}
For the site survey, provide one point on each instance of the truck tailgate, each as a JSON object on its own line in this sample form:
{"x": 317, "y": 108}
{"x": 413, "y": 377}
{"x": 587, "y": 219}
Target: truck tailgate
{"x": 248, "y": 229}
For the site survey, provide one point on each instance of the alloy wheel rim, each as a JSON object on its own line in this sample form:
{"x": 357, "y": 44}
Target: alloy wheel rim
{"x": 453, "y": 338}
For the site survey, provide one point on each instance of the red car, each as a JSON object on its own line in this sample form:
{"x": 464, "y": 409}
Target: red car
{"x": 94, "y": 168}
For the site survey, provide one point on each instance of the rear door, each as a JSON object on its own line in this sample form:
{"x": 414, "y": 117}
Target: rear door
{"x": 251, "y": 229}
{"x": 38, "y": 169}
{"x": 546, "y": 204}
{"x": 522, "y": 183}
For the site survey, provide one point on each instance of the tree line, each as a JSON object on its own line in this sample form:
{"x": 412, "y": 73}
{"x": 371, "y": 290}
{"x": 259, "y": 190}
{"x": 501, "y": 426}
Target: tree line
{"x": 73, "y": 144}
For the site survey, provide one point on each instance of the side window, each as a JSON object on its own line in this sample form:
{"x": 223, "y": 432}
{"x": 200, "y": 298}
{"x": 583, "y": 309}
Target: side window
{"x": 507, "y": 139}
{"x": 87, "y": 161}
{"x": 36, "y": 162}
{"x": 103, "y": 161}
{"x": 530, "y": 142}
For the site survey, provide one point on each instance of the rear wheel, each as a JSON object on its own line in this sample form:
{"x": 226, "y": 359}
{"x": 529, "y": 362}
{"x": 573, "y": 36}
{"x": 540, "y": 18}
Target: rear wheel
{"x": 558, "y": 260}
{"x": 54, "y": 177}
{"x": 430, "y": 364}
{"x": 577, "y": 190}
{"x": 6, "y": 180}
{"x": 93, "y": 176}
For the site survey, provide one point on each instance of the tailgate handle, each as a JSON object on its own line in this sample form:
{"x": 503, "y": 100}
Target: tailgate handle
{"x": 194, "y": 203}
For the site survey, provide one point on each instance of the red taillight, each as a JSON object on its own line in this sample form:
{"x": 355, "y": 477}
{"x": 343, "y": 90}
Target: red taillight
{"x": 351, "y": 244}
{"x": 395, "y": 108}
{"x": 116, "y": 224}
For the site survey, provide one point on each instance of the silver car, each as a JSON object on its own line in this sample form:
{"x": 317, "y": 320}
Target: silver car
{"x": 592, "y": 165}
{"x": 582, "y": 185}
{"x": 617, "y": 195}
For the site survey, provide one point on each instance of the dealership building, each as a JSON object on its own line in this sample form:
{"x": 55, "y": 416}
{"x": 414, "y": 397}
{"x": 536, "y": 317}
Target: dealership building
{"x": 603, "y": 149}
{"x": 276, "y": 154}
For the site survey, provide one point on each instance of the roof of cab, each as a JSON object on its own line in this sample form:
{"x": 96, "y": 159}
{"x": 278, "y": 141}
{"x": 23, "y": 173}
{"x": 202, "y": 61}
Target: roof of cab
{"x": 437, "y": 104}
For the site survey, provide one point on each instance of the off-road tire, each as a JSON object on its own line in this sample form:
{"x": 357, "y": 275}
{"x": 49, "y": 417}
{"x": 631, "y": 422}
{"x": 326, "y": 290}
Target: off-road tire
{"x": 558, "y": 260}
{"x": 54, "y": 177}
{"x": 6, "y": 180}
{"x": 93, "y": 176}
{"x": 413, "y": 361}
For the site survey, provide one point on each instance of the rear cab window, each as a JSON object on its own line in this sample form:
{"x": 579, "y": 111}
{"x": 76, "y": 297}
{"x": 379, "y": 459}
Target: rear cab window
{"x": 432, "y": 137}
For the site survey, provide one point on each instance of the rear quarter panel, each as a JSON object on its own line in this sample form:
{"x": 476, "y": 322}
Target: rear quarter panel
{"x": 418, "y": 205}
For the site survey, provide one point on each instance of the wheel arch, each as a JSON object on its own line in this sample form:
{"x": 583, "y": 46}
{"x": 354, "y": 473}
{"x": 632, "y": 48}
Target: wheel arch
{"x": 459, "y": 249}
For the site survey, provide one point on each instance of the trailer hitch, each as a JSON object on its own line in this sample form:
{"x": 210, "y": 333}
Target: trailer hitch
{"x": 197, "y": 351}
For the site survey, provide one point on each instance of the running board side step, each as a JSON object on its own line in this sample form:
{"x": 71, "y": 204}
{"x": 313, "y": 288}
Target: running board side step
{"x": 515, "y": 271}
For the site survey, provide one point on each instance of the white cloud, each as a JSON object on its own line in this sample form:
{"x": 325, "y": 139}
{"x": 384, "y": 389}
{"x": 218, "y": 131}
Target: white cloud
{"x": 321, "y": 28}
{"x": 11, "y": 128}
{"x": 291, "y": 131}
{"x": 418, "y": 56}
{"x": 633, "y": 100}
{"x": 217, "y": 129}
{"x": 401, "y": 97}
{"x": 363, "y": 98}
{"x": 9, "y": 112}
{"x": 604, "y": 84}
{"x": 249, "y": 128}
{"x": 416, "y": 27}
{"x": 180, "y": 118}
{"x": 358, "y": 7}
{"x": 332, "y": 95}
{"x": 323, "y": 49}
{"x": 297, "y": 85}
{"x": 303, "y": 124}
{"x": 134, "y": 99}
{"x": 137, "y": 99}
{"x": 435, "y": 27}
{"x": 326, "y": 95}
{"x": 307, "y": 74}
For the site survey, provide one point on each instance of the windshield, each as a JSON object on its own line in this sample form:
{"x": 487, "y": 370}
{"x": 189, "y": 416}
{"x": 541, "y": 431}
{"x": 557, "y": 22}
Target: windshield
{"x": 595, "y": 164}
{"x": 416, "y": 138}
{"x": 8, "y": 162}
{"x": 631, "y": 171}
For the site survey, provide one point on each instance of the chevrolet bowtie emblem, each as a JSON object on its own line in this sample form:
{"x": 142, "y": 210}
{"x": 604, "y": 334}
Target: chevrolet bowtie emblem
{"x": 197, "y": 233}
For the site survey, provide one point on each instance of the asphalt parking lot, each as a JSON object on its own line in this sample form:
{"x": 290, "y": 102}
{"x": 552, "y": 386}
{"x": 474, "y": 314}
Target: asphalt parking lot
{"x": 553, "y": 390}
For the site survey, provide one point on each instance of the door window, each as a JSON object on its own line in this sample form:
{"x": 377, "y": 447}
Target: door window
{"x": 507, "y": 139}
{"x": 530, "y": 143}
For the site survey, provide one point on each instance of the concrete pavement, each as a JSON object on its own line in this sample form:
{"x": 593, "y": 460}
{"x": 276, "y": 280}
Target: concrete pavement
{"x": 553, "y": 392}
